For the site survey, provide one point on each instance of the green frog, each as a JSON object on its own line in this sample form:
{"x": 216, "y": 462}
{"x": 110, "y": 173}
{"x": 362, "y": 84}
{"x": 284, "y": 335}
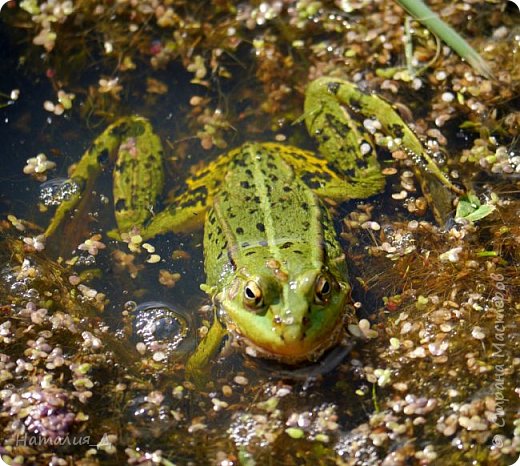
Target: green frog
{"x": 275, "y": 269}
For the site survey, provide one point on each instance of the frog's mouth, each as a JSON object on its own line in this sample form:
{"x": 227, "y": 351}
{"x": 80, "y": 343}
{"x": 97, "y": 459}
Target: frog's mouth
{"x": 291, "y": 355}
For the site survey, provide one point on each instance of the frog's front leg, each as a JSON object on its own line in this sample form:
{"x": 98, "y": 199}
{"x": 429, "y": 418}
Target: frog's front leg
{"x": 206, "y": 349}
{"x": 335, "y": 111}
{"x": 131, "y": 144}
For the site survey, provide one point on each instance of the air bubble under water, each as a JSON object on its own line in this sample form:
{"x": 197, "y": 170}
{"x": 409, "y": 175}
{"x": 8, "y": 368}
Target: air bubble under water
{"x": 54, "y": 192}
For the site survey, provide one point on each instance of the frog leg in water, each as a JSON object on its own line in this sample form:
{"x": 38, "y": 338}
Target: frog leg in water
{"x": 136, "y": 150}
{"x": 334, "y": 113}
{"x": 206, "y": 349}
{"x": 186, "y": 212}
{"x": 322, "y": 176}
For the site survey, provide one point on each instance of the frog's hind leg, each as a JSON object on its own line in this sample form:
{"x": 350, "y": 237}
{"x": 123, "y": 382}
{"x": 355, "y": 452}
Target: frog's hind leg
{"x": 323, "y": 178}
{"x": 134, "y": 138}
{"x": 340, "y": 136}
{"x": 186, "y": 212}
{"x": 323, "y": 101}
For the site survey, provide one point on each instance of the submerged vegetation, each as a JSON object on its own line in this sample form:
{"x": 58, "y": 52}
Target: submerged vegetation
{"x": 89, "y": 376}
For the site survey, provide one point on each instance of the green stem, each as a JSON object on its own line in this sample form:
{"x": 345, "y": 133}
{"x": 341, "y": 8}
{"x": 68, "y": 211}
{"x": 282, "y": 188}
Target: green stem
{"x": 408, "y": 46}
{"x": 431, "y": 20}
{"x": 374, "y": 399}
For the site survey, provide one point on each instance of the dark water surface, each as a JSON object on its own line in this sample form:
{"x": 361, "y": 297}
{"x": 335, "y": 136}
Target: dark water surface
{"x": 243, "y": 411}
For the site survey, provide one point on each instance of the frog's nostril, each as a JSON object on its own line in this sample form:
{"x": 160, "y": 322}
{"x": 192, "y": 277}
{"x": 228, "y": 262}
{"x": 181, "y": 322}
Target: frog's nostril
{"x": 292, "y": 334}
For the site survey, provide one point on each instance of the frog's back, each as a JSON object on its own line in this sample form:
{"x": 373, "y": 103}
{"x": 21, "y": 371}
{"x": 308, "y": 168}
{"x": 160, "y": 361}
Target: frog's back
{"x": 262, "y": 212}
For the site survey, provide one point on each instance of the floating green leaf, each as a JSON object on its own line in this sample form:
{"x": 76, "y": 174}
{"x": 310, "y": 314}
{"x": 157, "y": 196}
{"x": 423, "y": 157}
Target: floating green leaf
{"x": 471, "y": 209}
{"x": 31, "y": 6}
{"x": 295, "y": 432}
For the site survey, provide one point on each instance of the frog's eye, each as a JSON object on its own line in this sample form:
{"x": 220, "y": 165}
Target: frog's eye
{"x": 323, "y": 289}
{"x": 253, "y": 297}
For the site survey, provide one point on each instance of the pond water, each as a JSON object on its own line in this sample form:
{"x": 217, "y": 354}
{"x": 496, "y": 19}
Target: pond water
{"x": 95, "y": 332}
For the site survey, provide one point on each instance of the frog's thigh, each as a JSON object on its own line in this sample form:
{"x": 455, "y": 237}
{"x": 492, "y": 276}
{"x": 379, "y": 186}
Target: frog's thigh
{"x": 187, "y": 211}
{"x": 320, "y": 175}
{"x": 185, "y": 214}
{"x": 342, "y": 188}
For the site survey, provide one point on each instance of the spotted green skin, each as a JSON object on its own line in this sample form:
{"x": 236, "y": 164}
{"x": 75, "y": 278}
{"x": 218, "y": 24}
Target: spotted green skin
{"x": 265, "y": 222}
{"x": 136, "y": 153}
{"x": 266, "y": 225}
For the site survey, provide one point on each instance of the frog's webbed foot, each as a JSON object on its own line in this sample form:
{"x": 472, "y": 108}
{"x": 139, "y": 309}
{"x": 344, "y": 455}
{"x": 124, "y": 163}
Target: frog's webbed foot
{"x": 340, "y": 135}
{"x": 138, "y": 174}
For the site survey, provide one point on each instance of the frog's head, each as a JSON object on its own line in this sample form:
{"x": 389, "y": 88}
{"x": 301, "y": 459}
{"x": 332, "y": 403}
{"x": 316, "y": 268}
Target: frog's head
{"x": 289, "y": 317}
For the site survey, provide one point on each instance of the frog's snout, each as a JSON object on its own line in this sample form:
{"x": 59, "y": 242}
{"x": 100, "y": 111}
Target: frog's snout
{"x": 294, "y": 326}
{"x": 293, "y": 333}
{"x": 294, "y": 320}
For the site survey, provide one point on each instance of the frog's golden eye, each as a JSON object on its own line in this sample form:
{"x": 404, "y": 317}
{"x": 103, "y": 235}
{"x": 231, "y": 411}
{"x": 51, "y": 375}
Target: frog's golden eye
{"x": 253, "y": 297}
{"x": 323, "y": 289}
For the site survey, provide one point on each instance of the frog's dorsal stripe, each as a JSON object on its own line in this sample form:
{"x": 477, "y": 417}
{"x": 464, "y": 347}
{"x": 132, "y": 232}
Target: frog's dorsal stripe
{"x": 300, "y": 167}
{"x": 267, "y": 190}
{"x": 264, "y": 211}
